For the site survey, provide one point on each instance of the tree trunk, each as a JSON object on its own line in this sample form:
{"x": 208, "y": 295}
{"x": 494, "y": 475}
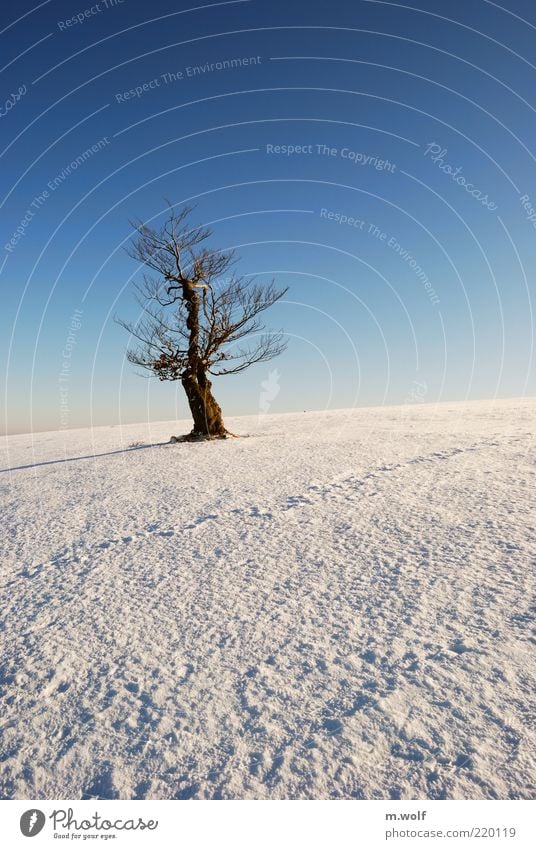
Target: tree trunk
{"x": 206, "y": 412}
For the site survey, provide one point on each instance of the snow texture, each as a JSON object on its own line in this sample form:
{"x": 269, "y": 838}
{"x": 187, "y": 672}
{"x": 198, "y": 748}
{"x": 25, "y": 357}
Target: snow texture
{"x": 336, "y": 605}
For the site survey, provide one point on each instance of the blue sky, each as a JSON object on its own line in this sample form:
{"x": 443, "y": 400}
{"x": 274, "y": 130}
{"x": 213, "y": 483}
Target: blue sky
{"x": 376, "y": 158}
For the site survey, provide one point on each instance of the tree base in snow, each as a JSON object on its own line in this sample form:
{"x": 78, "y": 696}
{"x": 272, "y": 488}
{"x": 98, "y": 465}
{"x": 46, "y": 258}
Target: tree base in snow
{"x": 193, "y": 436}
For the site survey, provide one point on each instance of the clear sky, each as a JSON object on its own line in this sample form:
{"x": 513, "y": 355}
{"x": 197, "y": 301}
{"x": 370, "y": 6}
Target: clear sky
{"x": 378, "y": 158}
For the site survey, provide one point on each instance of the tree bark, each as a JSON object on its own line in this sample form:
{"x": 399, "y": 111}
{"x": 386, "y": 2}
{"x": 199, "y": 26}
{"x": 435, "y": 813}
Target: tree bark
{"x": 205, "y": 410}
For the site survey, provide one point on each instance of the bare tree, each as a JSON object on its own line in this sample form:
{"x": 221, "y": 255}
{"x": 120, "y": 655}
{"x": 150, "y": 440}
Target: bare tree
{"x": 194, "y": 323}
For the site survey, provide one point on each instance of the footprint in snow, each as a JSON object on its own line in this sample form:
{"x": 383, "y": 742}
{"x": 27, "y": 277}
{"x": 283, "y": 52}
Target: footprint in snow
{"x": 297, "y": 501}
{"x": 28, "y": 573}
{"x": 200, "y": 520}
{"x": 256, "y": 512}
{"x": 332, "y": 727}
{"x": 459, "y": 647}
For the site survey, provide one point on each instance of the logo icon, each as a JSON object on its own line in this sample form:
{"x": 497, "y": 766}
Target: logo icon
{"x": 31, "y": 822}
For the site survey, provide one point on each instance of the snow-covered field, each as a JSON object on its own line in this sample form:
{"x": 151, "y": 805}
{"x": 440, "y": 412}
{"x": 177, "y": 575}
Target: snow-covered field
{"x": 337, "y": 606}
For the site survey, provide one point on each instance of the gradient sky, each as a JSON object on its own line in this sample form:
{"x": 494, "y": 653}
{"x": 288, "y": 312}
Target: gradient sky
{"x": 376, "y": 83}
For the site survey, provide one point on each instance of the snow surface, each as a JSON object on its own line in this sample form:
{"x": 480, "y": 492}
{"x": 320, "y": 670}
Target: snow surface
{"x": 337, "y": 606}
